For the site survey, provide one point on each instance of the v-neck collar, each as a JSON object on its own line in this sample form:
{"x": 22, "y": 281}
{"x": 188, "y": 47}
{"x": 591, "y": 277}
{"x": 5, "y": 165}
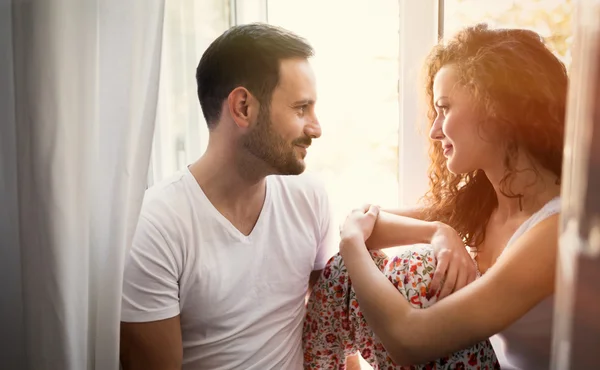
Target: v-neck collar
{"x": 234, "y": 231}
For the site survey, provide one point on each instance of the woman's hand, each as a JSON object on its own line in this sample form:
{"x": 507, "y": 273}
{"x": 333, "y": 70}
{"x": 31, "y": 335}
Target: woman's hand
{"x": 455, "y": 267}
{"x": 359, "y": 223}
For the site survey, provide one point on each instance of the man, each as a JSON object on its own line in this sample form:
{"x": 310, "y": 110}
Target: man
{"x": 222, "y": 255}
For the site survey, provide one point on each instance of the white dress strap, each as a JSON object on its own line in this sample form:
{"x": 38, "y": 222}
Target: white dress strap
{"x": 549, "y": 209}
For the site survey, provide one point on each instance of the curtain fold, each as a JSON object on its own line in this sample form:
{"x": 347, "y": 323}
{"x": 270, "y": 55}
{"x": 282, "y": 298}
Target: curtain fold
{"x": 85, "y": 77}
{"x": 12, "y": 345}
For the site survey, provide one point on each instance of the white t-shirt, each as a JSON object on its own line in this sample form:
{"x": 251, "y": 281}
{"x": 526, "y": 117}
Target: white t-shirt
{"x": 241, "y": 298}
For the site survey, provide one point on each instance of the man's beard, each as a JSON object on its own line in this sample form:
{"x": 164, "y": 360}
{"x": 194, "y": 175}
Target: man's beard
{"x": 265, "y": 144}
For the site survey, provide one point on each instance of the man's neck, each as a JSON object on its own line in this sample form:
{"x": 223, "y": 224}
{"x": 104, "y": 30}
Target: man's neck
{"x": 228, "y": 186}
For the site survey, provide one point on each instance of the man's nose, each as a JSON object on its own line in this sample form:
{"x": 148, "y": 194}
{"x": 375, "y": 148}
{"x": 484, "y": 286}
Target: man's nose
{"x": 313, "y": 129}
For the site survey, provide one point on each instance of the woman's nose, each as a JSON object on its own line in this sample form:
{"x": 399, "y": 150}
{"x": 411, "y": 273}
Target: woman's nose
{"x": 436, "y": 130}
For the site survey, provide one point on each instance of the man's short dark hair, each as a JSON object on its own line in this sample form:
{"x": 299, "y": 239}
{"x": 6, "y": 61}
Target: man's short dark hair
{"x": 249, "y": 56}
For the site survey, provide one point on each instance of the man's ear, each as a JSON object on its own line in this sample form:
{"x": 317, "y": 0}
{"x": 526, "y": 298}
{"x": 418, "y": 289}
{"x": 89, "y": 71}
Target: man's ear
{"x": 243, "y": 107}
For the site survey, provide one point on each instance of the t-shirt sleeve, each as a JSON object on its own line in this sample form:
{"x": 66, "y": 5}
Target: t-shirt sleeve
{"x": 329, "y": 243}
{"x": 150, "y": 282}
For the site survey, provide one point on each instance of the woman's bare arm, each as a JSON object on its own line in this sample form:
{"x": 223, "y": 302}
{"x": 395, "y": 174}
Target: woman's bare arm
{"x": 412, "y": 212}
{"x": 520, "y": 279}
{"x": 393, "y": 230}
{"x": 454, "y": 269}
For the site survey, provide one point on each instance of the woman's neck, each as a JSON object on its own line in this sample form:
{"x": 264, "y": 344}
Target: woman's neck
{"x": 528, "y": 188}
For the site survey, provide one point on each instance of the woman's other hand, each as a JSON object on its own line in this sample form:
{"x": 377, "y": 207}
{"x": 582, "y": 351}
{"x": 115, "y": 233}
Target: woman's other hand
{"x": 455, "y": 267}
{"x": 359, "y": 223}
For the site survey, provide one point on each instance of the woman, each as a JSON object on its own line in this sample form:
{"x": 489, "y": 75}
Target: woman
{"x": 497, "y": 109}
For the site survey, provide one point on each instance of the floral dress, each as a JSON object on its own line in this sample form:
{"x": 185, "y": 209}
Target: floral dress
{"x": 335, "y": 327}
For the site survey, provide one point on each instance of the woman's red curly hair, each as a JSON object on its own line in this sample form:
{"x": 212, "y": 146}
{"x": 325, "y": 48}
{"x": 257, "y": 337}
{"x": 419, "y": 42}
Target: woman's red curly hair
{"x": 521, "y": 88}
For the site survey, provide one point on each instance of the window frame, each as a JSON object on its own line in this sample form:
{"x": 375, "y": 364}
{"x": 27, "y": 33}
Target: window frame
{"x": 420, "y": 25}
{"x": 248, "y": 11}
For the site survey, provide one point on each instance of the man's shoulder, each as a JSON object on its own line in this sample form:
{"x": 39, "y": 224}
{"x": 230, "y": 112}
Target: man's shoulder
{"x": 305, "y": 184}
{"x": 304, "y": 194}
{"x": 166, "y": 199}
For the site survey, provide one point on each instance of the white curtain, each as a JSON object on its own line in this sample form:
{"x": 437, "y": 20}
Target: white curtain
{"x": 79, "y": 94}
{"x": 181, "y": 133}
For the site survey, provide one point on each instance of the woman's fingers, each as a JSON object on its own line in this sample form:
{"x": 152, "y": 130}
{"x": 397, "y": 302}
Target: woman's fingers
{"x": 461, "y": 279}
{"x": 439, "y": 274}
{"x": 449, "y": 282}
